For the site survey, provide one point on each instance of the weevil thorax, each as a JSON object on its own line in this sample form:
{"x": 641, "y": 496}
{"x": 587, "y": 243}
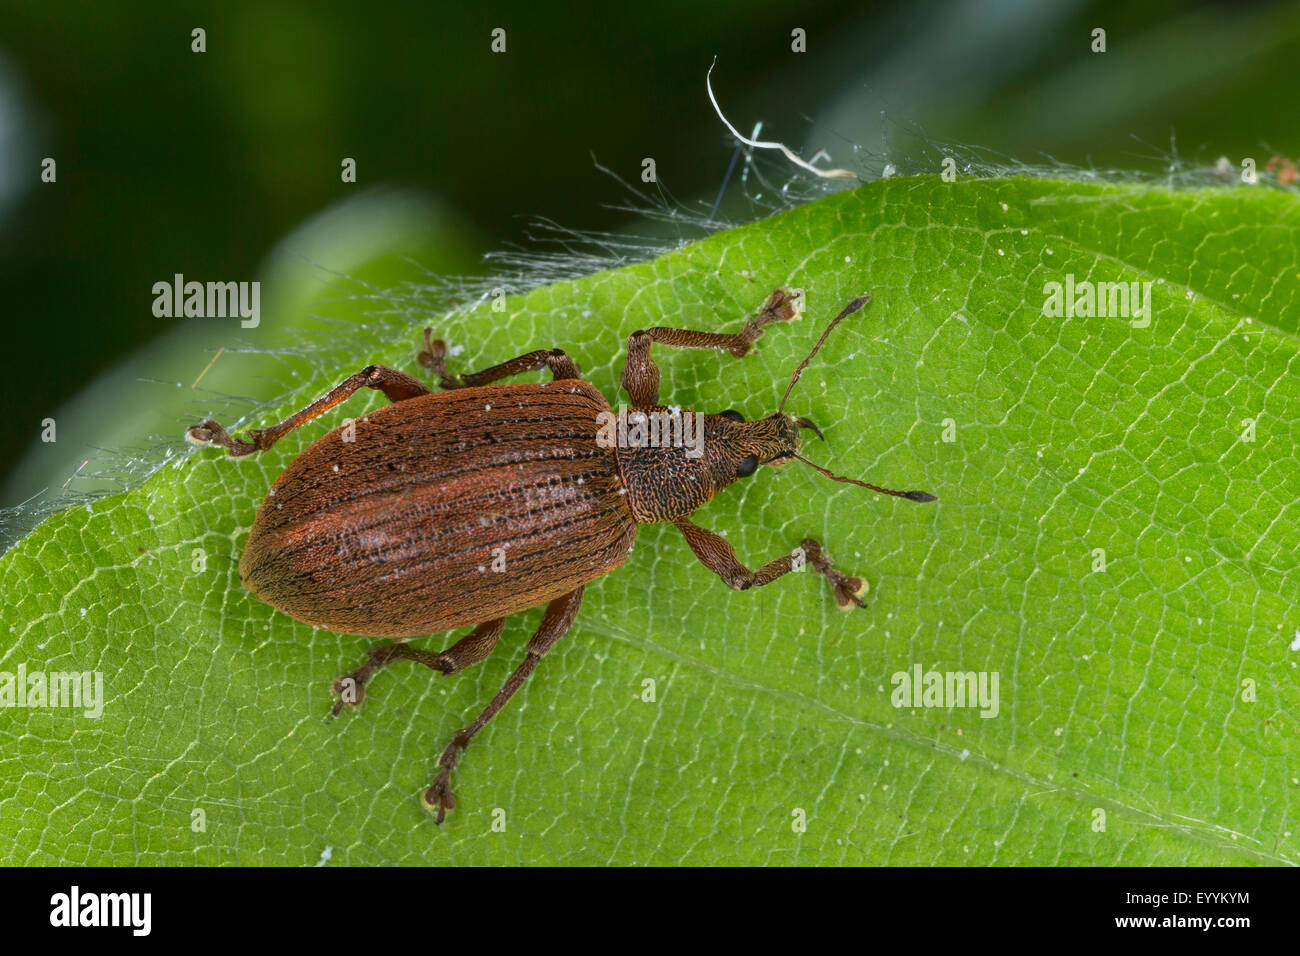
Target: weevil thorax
{"x": 665, "y": 480}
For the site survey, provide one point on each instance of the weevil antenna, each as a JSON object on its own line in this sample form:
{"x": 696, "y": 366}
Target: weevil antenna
{"x": 909, "y": 495}
{"x": 848, "y": 310}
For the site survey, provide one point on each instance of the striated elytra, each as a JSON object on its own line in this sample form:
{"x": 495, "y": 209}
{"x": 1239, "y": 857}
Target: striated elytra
{"x": 461, "y": 507}
{"x": 393, "y": 534}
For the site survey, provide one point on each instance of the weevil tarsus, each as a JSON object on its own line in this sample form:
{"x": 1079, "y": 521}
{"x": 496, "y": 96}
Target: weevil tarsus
{"x": 640, "y": 374}
{"x": 556, "y": 622}
{"x": 434, "y": 358}
{"x": 396, "y": 386}
{"x": 474, "y": 647}
{"x": 716, "y": 553}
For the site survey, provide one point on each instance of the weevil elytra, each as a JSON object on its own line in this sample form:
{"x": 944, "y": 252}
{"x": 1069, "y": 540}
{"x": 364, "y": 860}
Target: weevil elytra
{"x": 449, "y": 509}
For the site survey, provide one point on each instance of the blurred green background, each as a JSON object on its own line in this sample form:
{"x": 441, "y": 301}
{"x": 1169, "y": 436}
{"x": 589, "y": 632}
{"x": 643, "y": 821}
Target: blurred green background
{"x": 225, "y": 165}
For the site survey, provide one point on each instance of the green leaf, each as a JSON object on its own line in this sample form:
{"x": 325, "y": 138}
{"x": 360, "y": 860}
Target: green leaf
{"x": 1143, "y": 708}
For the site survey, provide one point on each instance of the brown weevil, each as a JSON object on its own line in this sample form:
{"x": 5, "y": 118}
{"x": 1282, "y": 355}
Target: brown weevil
{"x": 449, "y": 509}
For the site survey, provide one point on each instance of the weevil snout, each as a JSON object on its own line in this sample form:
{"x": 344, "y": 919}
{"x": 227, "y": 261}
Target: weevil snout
{"x": 807, "y": 423}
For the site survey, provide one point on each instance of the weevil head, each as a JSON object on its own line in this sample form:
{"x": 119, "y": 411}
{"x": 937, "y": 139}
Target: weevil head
{"x": 734, "y": 448}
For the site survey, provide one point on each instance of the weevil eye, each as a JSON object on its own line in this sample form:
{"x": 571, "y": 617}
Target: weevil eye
{"x": 747, "y": 466}
{"x": 732, "y": 415}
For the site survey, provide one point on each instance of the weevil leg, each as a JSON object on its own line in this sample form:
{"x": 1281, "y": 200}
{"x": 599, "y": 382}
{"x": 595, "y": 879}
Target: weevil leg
{"x": 474, "y": 647}
{"x": 640, "y": 374}
{"x": 469, "y": 650}
{"x": 848, "y": 589}
{"x": 555, "y": 624}
{"x": 396, "y": 386}
{"x": 716, "y": 553}
{"x": 434, "y": 358}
